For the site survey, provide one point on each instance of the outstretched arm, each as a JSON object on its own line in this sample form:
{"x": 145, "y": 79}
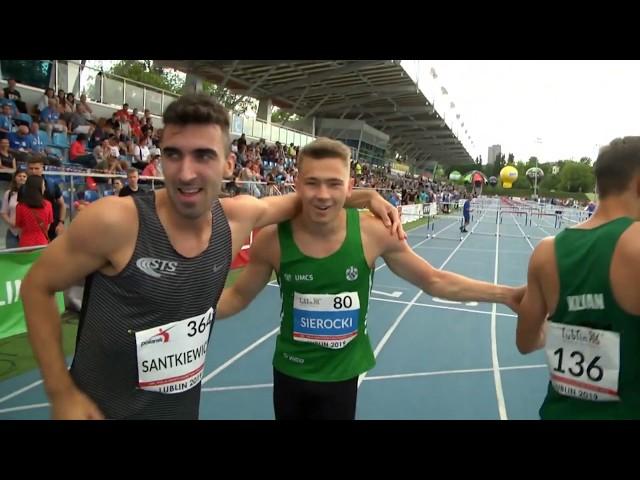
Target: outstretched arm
{"x": 440, "y": 283}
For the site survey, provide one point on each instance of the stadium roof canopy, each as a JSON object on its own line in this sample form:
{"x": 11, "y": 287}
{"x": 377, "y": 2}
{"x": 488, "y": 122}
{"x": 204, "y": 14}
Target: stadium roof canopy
{"x": 379, "y": 92}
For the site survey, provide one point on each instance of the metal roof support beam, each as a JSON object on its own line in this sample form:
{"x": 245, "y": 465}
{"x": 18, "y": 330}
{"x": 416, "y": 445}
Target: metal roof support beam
{"x": 257, "y": 83}
{"x": 360, "y": 89}
{"x": 317, "y": 77}
{"x": 228, "y": 75}
{"x": 316, "y": 107}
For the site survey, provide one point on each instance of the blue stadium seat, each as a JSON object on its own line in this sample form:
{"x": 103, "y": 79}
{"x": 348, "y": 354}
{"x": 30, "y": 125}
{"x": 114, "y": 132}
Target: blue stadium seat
{"x": 90, "y": 195}
{"x": 24, "y": 117}
{"x": 60, "y": 139}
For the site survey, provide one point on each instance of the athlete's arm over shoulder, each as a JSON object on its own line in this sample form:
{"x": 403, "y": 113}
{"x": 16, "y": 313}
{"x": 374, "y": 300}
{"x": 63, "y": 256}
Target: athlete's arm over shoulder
{"x": 252, "y": 213}
{"x": 255, "y": 213}
{"x": 265, "y": 254}
{"x": 533, "y": 308}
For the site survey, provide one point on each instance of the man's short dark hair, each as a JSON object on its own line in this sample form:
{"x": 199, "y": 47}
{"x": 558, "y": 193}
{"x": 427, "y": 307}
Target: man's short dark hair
{"x": 199, "y": 109}
{"x": 31, "y": 159}
{"x": 616, "y": 165}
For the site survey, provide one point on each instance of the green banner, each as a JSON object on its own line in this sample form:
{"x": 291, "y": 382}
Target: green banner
{"x": 13, "y": 269}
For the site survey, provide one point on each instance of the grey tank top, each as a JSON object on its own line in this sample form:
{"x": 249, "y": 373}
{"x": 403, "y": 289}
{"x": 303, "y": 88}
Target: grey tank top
{"x": 157, "y": 286}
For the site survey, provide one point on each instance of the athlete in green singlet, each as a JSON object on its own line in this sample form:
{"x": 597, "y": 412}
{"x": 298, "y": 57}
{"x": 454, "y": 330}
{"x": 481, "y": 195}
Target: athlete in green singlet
{"x": 324, "y": 259}
{"x": 582, "y": 304}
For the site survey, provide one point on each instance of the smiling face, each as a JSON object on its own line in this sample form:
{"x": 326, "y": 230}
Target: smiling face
{"x": 194, "y": 164}
{"x": 323, "y": 182}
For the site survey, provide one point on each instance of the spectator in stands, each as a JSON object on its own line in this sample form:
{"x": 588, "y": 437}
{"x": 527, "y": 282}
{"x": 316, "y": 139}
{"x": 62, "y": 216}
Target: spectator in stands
{"x": 247, "y": 175}
{"x": 136, "y": 131}
{"x": 358, "y": 169}
{"x": 395, "y": 199}
{"x": 132, "y": 188}
{"x": 88, "y": 112}
{"x": 44, "y": 100}
{"x": 71, "y": 102}
{"x": 240, "y": 156}
{"x": 123, "y": 114}
{"x": 50, "y": 118}
{"x": 98, "y": 135}
{"x": 11, "y": 93}
{"x": 78, "y": 152}
{"x": 20, "y": 143}
{"x": 20, "y": 139}
{"x": 147, "y": 127}
{"x": 242, "y": 141}
{"x": 111, "y": 165}
{"x": 156, "y": 137}
{"x": 34, "y": 214}
{"x": 234, "y": 146}
{"x": 135, "y": 114}
{"x": 117, "y": 186}
{"x": 81, "y": 203}
{"x": 151, "y": 170}
{"x": 11, "y": 103}
{"x": 113, "y": 123}
{"x": 35, "y": 167}
{"x": 251, "y": 154}
{"x": 7, "y": 124}
{"x": 7, "y": 159}
{"x": 141, "y": 153}
{"x": 8, "y": 210}
{"x": 113, "y": 145}
{"x": 61, "y": 96}
{"x": 79, "y": 123}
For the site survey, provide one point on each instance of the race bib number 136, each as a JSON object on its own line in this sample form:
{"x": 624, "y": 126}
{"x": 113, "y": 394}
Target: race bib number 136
{"x": 583, "y": 362}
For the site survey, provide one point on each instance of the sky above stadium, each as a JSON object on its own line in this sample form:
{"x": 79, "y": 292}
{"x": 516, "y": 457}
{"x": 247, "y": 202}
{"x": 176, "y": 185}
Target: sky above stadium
{"x": 572, "y": 107}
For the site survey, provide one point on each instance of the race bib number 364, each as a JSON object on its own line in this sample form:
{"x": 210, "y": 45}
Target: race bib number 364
{"x": 171, "y": 357}
{"x": 583, "y": 362}
{"x": 330, "y": 321}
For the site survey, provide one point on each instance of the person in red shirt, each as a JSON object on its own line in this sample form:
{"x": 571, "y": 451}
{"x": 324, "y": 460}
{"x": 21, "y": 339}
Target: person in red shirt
{"x": 34, "y": 214}
{"x": 123, "y": 114}
{"x": 151, "y": 170}
{"x": 78, "y": 152}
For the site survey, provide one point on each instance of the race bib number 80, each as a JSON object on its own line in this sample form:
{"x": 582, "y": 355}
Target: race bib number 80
{"x": 171, "y": 357}
{"x": 583, "y": 362}
{"x": 330, "y": 321}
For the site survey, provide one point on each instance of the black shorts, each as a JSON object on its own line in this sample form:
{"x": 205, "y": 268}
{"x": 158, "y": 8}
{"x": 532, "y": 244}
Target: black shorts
{"x": 295, "y": 399}
{"x": 466, "y": 217}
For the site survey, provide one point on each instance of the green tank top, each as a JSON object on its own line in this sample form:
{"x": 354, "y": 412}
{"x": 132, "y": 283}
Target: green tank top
{"x": 323, "y": 331}
{"x": 593, "y": 346}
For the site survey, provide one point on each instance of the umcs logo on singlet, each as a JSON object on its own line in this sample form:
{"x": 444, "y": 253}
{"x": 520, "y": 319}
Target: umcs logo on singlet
{"x": 155, "y": 267}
